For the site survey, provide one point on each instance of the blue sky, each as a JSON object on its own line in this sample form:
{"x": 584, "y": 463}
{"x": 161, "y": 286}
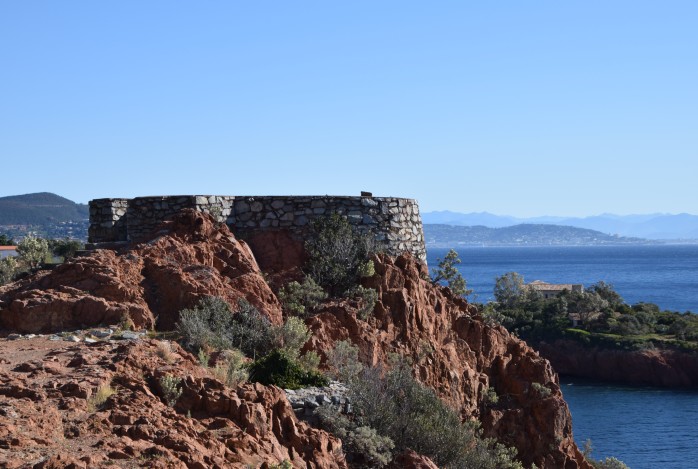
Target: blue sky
{"x": 521, "y": 108}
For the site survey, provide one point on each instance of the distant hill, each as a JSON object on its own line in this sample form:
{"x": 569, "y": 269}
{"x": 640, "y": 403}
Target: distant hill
{"x": 650, "y": 226}
{"x": 39, "y": 209}
{"x": 447, "y": 236}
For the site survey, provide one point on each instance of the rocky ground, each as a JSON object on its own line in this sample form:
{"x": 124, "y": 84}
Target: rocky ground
{"x": 48, "y": 414}
{"x": 51, "y": 414}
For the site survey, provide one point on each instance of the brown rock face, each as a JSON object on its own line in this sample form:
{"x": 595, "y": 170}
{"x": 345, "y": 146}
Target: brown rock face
{"x": 460, "y": 356}
{"x": 49, "y": 418}
{"x": 641, "y": 367}
{"x": 190, "y": 257}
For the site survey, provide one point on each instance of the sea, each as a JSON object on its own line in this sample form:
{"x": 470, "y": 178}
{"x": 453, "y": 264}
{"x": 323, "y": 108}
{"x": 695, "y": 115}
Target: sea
{"x": 643, "y": 427}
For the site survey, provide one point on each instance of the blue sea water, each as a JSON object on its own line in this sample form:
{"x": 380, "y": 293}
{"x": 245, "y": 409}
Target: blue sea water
{"x": 665, "y": 274}
{"x": 647, "y": 428}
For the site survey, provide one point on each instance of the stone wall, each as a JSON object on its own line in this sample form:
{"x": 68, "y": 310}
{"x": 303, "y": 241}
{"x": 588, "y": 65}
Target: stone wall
{"x": 395, "y": 222}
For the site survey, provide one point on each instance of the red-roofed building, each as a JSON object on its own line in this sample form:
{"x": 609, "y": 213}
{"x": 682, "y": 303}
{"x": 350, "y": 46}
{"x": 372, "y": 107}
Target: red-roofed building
{"x": 7, "y": 251}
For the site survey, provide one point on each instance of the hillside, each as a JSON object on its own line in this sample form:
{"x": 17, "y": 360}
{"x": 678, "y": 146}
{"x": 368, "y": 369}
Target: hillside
{"x": 446, "y": 236}
{"x": 39, "y": 209}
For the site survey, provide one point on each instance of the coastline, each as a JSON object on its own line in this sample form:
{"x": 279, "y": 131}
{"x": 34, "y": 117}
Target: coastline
{"x": 649, "y": 367}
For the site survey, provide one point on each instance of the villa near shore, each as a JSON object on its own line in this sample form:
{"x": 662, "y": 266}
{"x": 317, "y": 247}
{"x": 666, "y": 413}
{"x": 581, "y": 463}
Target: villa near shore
{"x": 551, "y": 290}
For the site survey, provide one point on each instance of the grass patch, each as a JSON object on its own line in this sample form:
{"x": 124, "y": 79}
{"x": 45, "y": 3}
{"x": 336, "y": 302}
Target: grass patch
{"x": 97, "y": 400}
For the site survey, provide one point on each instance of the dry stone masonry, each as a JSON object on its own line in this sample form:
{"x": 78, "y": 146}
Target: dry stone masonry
{"x": 395, "y": 222}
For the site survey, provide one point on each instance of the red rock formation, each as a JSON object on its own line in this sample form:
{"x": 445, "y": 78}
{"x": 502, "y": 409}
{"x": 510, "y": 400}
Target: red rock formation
{"x": 457, "y": 354}
{"x": 188, "y": 258}
{"x": 46, "y": 420}
{"x": 652, "y": 367}
{"x": 453, "y": 350}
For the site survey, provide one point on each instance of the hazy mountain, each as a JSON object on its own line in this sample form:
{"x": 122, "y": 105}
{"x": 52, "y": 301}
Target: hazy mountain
{"x": 651, "y": 226}
{"x": 40, "y": 208}
{"x": 438, "y": 235}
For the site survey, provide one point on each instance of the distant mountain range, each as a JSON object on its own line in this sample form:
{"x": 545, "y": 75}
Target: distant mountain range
{"x": 450, "y": 236}
{"x": 654, "y": 226}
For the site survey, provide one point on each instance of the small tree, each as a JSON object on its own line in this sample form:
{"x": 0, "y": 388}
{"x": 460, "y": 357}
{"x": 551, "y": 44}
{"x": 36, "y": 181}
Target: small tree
{"x": 33, "y": 251}
{"x": 607, "y": 292}
{"x": 509, "y": 289}
{"x": 447, "y": 272}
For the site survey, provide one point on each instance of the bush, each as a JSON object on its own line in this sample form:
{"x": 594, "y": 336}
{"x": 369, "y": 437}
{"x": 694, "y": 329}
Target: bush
{"x": 211, "y": 324}
{"x": 65, "y": 248}
{"x": 206, "y": 325}
{"x": 292, "y": 336}
{"x": 338, "y": 255}
{"x": 171, "y": 390}
{"x": 491, "y": 398}
{"x": 344, "y": 362}
{"x": 397, "y": 406}
{"x": 541, "y": 389}
{"x": 368, "y": 297}
{"x": 231, "y": 368}
{"x": 8, "y": 270}
{"x": 363, "y": 446}
{"x": 278, "y": 369}
{"x": 301, "y": 299}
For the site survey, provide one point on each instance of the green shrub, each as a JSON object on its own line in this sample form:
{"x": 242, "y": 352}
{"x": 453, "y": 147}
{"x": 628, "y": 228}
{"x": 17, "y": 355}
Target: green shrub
{"x": 491, "y": 398}
{"x": 171, "y": 390}
{"x": 231, "y": 368}
{"x": 65, "y": 248}
{"x": 541, "y": 389}
{"x": 279, "y": 369}
{"x": 344, "y": 362}
{"x": 301, "y": 299}
{"x": 310, "y": 360}
{"x": 292, "y": 336}
{"x": 394, "y": 404}
{"x": 206, "y": 325}
{"x": 363, "y": 446}
{"x": 203, "y": 357}
{"x": 211, "y": 324}
{"x": 8, "y": 269}
{"x": 368, "y": 297}
{"x": 338, "y": 255}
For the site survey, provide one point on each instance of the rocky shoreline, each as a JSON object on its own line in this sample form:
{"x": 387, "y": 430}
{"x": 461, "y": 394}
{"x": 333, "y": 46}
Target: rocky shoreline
{"x": 649, "y": 367}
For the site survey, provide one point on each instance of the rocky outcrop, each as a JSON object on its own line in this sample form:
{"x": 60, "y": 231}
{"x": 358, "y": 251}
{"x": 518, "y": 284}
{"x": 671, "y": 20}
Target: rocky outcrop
{"x": 461, "y": 357}
{"x": 49, "y": 417}
{"x": 187, "y": 258}
{"x": 452, "y": 349}
{"x": 650, "y": 367}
